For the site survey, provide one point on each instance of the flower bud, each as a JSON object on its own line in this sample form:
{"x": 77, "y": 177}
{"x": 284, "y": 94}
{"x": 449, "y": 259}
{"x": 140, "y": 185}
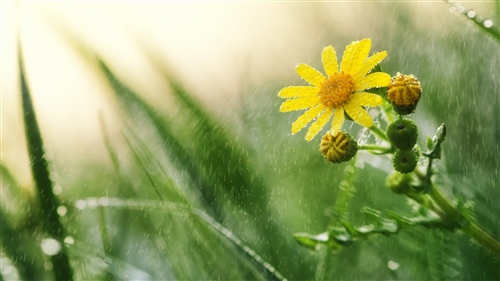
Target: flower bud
{"x": 403, "y": 133}
{"x": 404, "y": 93}
{"x": 399, "y": 183}
{"x": 405, "y": 161}
{"x": 338, "y": 148}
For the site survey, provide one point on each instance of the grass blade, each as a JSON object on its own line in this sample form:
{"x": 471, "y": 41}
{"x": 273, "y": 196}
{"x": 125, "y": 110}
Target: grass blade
{"x": 44, "y": 186}
{"x": 260, "y": 269}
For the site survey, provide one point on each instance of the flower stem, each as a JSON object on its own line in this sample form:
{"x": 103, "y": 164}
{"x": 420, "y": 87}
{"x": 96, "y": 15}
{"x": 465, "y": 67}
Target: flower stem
{"x": 471, "y": 228}
{"x": 379, "y": 132}
{"x": 375, "y": 149}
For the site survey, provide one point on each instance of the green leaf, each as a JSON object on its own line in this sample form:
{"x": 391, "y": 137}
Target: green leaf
{"x": 39, "y": 168}
{"x": 437, "y": 140}
{"x": 311, "y": 241}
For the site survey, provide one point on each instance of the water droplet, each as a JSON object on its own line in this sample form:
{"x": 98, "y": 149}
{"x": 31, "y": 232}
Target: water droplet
{"x": 81, "y": 204}
{"x": 48, "y": 265}
{"x": 488, "y": 23}
{"x": 62, "y": 211}
{"x": 349, "y": 169}
{"x": 92, "y": 203}
{"x": 50, "y": 246}
{"x": 392, "y": 265}
{"x": 57, "y": 189}
{"x": 69, "y": 240}
{"x": 7, "y": 270}
{"x": 103, "y": 201}
{"x": 471, "y": 14}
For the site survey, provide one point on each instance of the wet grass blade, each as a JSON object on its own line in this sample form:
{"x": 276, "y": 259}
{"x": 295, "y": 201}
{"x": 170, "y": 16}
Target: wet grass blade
{"x": 255, "y": 264}
{"x": 44, "y": 186}
{"x": 183, "y": 159}
{"x": 17, "y": 250}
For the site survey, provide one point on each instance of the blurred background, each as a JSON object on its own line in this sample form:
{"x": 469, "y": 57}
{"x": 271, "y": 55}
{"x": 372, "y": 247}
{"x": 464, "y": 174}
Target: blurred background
{"x": 186, "y": 169}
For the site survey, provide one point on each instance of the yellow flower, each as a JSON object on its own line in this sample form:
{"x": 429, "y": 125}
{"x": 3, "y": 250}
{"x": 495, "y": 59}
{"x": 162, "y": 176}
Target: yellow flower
{"x": 341, "y": 90}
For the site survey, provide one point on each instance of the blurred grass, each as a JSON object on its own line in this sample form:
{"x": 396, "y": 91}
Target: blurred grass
{"x": 191, "y": 197}
{"x": 47, "y": 201}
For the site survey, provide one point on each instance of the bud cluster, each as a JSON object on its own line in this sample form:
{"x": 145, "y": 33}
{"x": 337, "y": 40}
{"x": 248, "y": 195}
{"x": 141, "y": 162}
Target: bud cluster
{"x": 404, "y": 92}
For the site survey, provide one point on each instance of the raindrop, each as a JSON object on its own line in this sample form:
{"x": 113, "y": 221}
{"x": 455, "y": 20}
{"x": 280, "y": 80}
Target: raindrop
{"x": 488, "y": 23}
{"x": 62, "y": 210}
{"x": 349, "y": 169}
{"x": 344, "y": 185}
{"x": 92, "y": 203}
{"x": 7, "y": 270}
{"x": 57, "y": 189}
{"x": 103, "y": 201}
{"x": 471, "y": 14}
{"x": 81, "y": 204}
{"x": 50, "y": 246}
{"x": 392, "y": 265}
{"x": 48, "y": 265}
{"x": 69, "y": 240}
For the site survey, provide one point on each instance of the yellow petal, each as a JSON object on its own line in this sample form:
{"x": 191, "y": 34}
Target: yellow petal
{"x": 307, "y": 117}
{"x": 370, "y": 63}
{"x": 338, "y": 120}
{"x": 311, "y": 75}
{"x": 329, "y": 58}
{"x": 377, "y": 79}
{"x": 358, "y": 114}
{"x": 299, "y": 103}
{"x": 319, "y": 124}
{"x": 355, "y": 56}
{"x": 366, "y": 99}
{"x": 298, "y": 91}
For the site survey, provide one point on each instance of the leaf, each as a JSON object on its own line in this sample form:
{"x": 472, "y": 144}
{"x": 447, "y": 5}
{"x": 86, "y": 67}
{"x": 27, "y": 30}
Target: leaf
{"x": 39, "y": 168}
{"x": 437, "y": 140}
{"x": 311, "y": 241}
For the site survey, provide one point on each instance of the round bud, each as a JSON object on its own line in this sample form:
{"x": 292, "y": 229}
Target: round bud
{"x": 404, "y": 92}
{"x": 402, "y": 133}
{"x": 399, "y": 183}
{"x": 405, "y": 161}
{"x": 338, "y": 148}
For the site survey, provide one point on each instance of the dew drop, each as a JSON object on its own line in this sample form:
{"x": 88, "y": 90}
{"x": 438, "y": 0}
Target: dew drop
{"x": 392, "y": 265}
{"x": 50, "y": 246}
{"x": 92, "y": 203}
{"x": 488, "y": 23}
{"x": 104, "y": 201}
{"x": 62, "y": 211}
{"x": 69, "y": 240}
{"x": 471, "y": 14}
{"x": 81, "y": 204}
{"x": 57, "y": 189}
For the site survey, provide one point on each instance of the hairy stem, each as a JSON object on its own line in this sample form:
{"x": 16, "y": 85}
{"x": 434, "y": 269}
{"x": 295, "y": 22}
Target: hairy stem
{"x": 379, "y": 132}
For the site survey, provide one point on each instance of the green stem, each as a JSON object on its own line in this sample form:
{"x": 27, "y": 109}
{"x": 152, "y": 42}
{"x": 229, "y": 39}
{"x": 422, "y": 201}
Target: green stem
{"x": 389, "y": 112}
{"x": 371, "y": 147}
{"x": 450, "y": 212}
{"x": 471, "y": 228}
{"x": 379, "y": 132}
{"x": 325, "y": 253}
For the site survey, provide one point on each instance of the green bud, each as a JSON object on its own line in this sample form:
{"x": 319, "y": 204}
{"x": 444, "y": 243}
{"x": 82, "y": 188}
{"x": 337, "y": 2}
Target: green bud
{"x": 338, "y": 148}
{"x": 405, "y": 161}
{"x": 403, "y": 133}
{"x": 399, "y": 183}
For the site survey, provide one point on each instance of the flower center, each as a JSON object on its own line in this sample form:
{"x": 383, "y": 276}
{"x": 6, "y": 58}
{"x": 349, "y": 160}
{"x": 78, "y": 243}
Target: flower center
{"x": 337, "y": 89}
